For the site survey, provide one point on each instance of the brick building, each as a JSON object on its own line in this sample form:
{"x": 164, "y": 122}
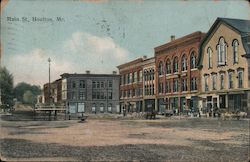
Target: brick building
{"x": 55, "y": 92}
{"x": 91, "y": 93}
{"x": 131, "y": 85}
{"x": 224, "y": 61}
{"x": 177, "y": 76}
{"x": 149, "y": 84}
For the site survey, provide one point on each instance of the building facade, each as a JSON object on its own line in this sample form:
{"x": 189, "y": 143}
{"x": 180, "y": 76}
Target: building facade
{"x": 177, "y": 76}
{"x": 149, "y": 90}
{"x": 131, "y": 85}
{"x": 91, "y": 93}
{"x": 224, "y": 61}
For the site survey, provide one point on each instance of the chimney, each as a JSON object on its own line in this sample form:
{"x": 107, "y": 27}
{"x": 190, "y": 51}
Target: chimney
{"x": 87, "y": 72}
{"x": 172, "y": 37}
{"x": 114, "y": 72}
{"x": 144, "y": 57}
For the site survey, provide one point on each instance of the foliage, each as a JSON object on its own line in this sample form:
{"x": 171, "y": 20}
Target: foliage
{"x": 27, "y": 93}
{"x": 6, "y": 87}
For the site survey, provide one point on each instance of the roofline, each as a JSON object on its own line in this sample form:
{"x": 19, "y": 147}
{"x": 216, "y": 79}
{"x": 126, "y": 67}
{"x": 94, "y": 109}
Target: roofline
{"x": 217, "y": 21}
{"x": 177, "y": 41}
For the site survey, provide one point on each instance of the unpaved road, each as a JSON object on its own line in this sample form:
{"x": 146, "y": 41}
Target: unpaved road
{"x": 122, "y": 140}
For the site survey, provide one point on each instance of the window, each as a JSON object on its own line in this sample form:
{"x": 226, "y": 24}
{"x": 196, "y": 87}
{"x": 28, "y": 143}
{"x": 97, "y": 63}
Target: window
{"x": 168, "y": 86}
{"x": 110, "y": 95}
{"x": 98, "y": 84}
{"x": 110, "y": 107}
{"x": 135, "y": 76}
{"x": 230, "y": 80}
{"x": 183, "y": 63}
{"x": 102, "y": 95}
{"x": 128, "y": 93}
{"x": 206, "y": 82}
{"x": 160, "y": 68}
{"x": 153, "y": 74}
{"x": 235, "y": 51}
{"x": 175, "y": 85}
{"x": 73, "y": 95}
{"x": 94, "y": 84}
{"x": 221, "y": 52}
{"x": 73, "y": 84}
{"x": 130, "y": 78}
{"x": 97, "y": 95}
{"x": 102, "y": 84}
{"x": 168, "y": 67}
{"x": 222, "y": 81}
{"x": 160, "y": 87}
{"x": 82, "y": 84}
{"x": 214, "y": 82}
{"x": 192, "y": 61}
{"x": 240, "y": 79}
{"x": 110, "y": 83}
{"x": 140, "y": 75}
{"x": 124, "y": 79}
{"x": 102, "y": 107}
{"x": 184, "y": 85}
{"x": 94, "y": 95}
{"x": 175, "y": 65}
{"x": 93, "y": 108}
{"x": 81, "y": 95}
{"x": 145, "y": 75}
{"x": 209, "y": 53}
{"x": 193, "y": 84}
{"x": 153, "y": 89}
{"x": 133, "y": 92}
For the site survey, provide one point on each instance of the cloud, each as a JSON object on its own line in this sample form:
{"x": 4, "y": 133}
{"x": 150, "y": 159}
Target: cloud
{"x": 89, "y": 45}
{"x": 33, "y": 67}
{"x": 81, "y": 52}
{"x": 100, "y": 54}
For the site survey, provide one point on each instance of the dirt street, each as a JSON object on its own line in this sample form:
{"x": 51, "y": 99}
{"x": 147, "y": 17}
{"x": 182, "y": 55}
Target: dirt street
{"x": 191, "y": 139}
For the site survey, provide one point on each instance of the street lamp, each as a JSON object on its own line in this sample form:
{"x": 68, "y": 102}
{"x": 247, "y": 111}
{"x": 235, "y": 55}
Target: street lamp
{"x": 49, "y": 60}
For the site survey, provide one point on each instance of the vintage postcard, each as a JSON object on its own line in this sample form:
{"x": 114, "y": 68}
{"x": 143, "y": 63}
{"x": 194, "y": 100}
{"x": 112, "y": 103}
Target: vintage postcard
{"x": 125, "y": 80}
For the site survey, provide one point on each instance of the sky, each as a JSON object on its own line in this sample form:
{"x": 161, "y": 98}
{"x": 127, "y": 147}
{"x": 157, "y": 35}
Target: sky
{"x": 97, "y": 35}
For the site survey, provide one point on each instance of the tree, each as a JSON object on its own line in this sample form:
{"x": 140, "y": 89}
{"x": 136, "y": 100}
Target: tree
{"x": 6, "y": 87}
{"x": 29, "y": 97}
{"x": 22, "y": 88}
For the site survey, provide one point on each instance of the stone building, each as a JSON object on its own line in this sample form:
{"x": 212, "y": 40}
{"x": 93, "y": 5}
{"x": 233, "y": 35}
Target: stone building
{"x": 91, "y": 93}
{"x": 177, "y": 76}
{"x": 224, "y": 61}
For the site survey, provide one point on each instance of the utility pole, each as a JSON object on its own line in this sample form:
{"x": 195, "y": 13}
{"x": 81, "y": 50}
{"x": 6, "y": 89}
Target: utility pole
{"x": 49, "y": 60}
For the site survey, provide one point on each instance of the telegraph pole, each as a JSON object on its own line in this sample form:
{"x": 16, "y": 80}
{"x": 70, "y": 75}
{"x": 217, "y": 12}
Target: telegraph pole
{"x": 49, "y": 60}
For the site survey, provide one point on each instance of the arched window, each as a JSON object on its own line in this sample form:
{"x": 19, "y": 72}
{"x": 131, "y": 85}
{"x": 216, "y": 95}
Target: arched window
{"x": 209, "y": 56}
{"x": 221, "y": 52}
{"x": 168, "y": 66}
{"x": 160, "y": 68}
{"x": 175, "y": 65}
{"x": 235, "y": 51}
{"x": 109, "y": 107}
{"x": 240, "y": 79}
{"x": 192, "y": 61}
{"x": 183, "y": 63}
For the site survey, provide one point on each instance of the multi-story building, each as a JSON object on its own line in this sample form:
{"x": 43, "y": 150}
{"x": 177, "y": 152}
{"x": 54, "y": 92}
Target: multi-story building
{"x": 149, "y": 99}
{"x": 224, "y": 60}
{"x": 91, "y": 93}
{"x": 177, "y": 77}
{"x": 55, "y": 92}
{"x": 131, "y": 85}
